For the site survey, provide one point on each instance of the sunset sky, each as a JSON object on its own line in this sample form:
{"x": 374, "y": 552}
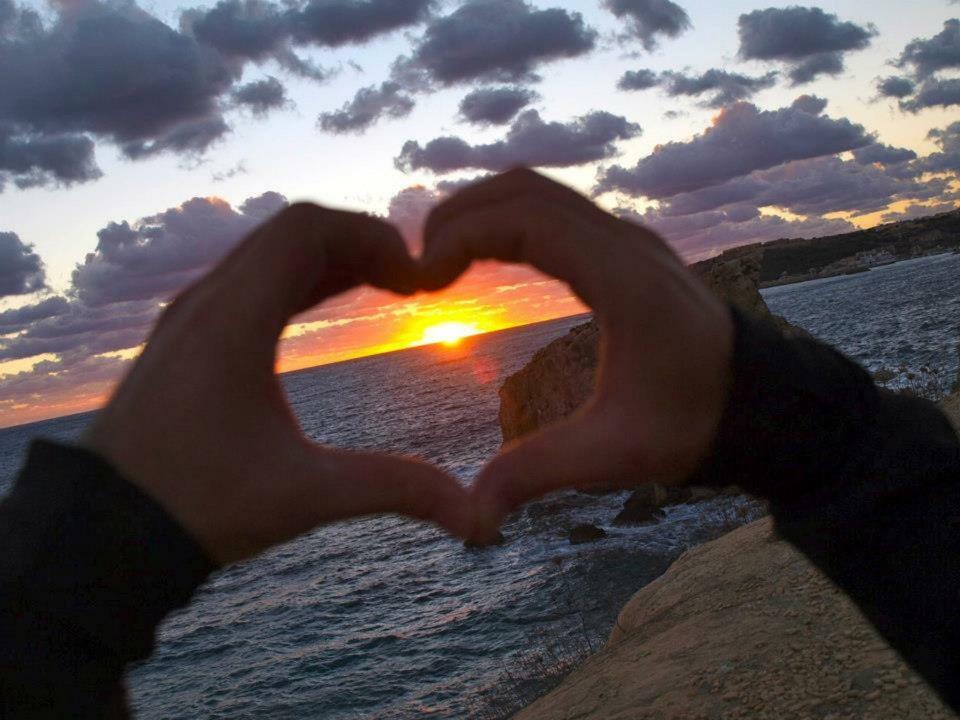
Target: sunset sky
{"x": 139, "y": 142}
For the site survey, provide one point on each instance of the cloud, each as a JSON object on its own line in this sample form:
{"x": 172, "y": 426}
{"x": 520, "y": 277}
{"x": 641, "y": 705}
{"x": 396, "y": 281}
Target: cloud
{"x": 21, "y": 270}
{"x": 498, "y": 40}
{"x": 368, "y": 105}
{"x": 883, "y": 154}
{"x": 529, "y": 141}
{"x": 496, "y": 105}
{"x": 221, "y": 175}
{"x": 638, "y": 80}
{"x": 30, "y": 160}
{"x": 115, "y": 72}
{"x": 161, "y": 254}
{"x": 724, "y": 87}
{"x": 742, "y": 139}
{"x": 648, "y": 19}
{"x": 408, "y": 210}
{"x": 948, "y": 159}
{"x": 258, "y": 30}
{"x": 808, "y": 40}
{"x": 243, "y": 29}
{"x": 261, "y": 96}
{"x": 706, "y": 234}
{"x": 119, "y": 288}
{"x": 895, "y": 86}
{"x": 940, "y": 52}
{"x": 18, "y": 319}
{"x": 933, "y": 93}
{"x": 916, "y": 210}
{"x": 105, "y": 71}
{"x": 333, "y": 23}
{"x": 815, "y": 186}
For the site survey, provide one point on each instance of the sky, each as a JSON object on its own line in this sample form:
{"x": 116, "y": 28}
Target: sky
{"x": 139, "y": 142}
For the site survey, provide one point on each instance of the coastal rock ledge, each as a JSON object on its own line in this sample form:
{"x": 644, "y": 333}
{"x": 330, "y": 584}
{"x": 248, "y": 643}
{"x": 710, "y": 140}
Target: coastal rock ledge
{"x": 740, "y": 627}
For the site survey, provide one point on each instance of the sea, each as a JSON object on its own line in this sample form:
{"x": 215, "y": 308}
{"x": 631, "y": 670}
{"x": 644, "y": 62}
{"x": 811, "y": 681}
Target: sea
{"x": 384, "y": 617}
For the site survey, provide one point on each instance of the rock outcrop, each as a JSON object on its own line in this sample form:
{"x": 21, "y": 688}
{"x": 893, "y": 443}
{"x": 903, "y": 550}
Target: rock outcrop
{"x": 585, "y": 533}
{"x": 740, "y": 627}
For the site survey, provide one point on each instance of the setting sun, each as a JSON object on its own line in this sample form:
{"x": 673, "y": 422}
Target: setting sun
{"x": 449, "y": 333}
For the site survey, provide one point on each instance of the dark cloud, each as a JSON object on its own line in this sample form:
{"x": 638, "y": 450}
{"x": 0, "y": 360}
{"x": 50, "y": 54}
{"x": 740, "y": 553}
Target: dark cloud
{"x": 940, "y": 52}
{"x": 529, "y": 141}
{"x": 21, "y": 270}
{"x": 723, "y": 87}
{"x": 110, "y": 71}
{"x": 368, "y": 105}
{"x": 934, "y": 93}
{"x": 824, "y": 64}
{"x": 333, "y": 23}
{"x": 221, "y": 175}
{"x": 948, "y": 159}
{"x": 245, "y": 29}
{"x": 638, "y": 80}
{"x": 808, "y": 40}
{"x": 161, "y": 254}
{"x": 18, "y": 319}
{"x": 895, "y": 86}
{"x": 113, "y": 71}
{"x": 259, "y": 30}
{"x": 883, "y": 154}
{"x": 499, "y": 40}
{"x": 53, "y": 159}
{"x": 812, "y": 104}
{"x": 496, "y": 105}
{"x": 648, "y": 19}
{"x": 119, "y": 288}
{"x": 742, "y": 139}
{"x": 261, "y": 96}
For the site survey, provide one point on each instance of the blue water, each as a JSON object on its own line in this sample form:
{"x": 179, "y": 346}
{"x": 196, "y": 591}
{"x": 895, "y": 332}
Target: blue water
{"x": 387, "y": 618}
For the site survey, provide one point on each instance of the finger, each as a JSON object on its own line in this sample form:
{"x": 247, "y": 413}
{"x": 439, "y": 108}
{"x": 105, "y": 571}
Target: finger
{"x": 490, "y": 191}
{"x": 577, "y": 452}
{"x": 521, "y": 216}
{"x": 529, "y": 229}
{"x": 305, "y": 254}
{"x": 344, "y": 484}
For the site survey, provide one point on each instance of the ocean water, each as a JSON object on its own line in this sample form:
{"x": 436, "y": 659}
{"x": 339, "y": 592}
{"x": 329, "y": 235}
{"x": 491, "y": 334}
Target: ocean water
{"x": 387, "y": 618}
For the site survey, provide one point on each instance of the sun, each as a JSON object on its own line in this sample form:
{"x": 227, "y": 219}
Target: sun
{"x": 449, "y": 333}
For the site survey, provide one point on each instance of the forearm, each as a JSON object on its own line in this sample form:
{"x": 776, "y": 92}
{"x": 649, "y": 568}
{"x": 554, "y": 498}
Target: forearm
{"x": 90, "y": 567}
{"x": 865, "y": 483}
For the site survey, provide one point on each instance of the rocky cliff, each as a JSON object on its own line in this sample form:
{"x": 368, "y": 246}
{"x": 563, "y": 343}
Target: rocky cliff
{"x": 740, "y": 627}
{"x": 559, "y": 378}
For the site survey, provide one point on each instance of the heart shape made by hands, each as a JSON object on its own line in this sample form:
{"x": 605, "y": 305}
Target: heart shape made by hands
{"x": 202, "y": 425}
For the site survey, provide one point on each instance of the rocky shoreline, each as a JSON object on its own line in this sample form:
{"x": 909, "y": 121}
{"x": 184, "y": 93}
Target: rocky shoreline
{"x": 740, "y": 627}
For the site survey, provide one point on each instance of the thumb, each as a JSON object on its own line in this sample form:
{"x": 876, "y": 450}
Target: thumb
{"x": 360, "y": 483}
{"x": 576, "y": 452}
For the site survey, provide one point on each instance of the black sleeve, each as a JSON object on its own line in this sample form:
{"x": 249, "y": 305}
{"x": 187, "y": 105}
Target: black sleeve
{"x": 89, "y": 566}
{"x": 864, "y": 482}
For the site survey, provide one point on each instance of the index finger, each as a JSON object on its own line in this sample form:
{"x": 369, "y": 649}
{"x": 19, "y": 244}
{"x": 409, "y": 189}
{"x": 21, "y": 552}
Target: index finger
{"x": 521, "y": 216}
{"x": 303, "y": 255}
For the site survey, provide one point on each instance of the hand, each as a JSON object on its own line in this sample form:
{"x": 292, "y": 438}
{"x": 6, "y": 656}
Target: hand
{"x": 666, "y": 340}
{"x": 201, "y": 423}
